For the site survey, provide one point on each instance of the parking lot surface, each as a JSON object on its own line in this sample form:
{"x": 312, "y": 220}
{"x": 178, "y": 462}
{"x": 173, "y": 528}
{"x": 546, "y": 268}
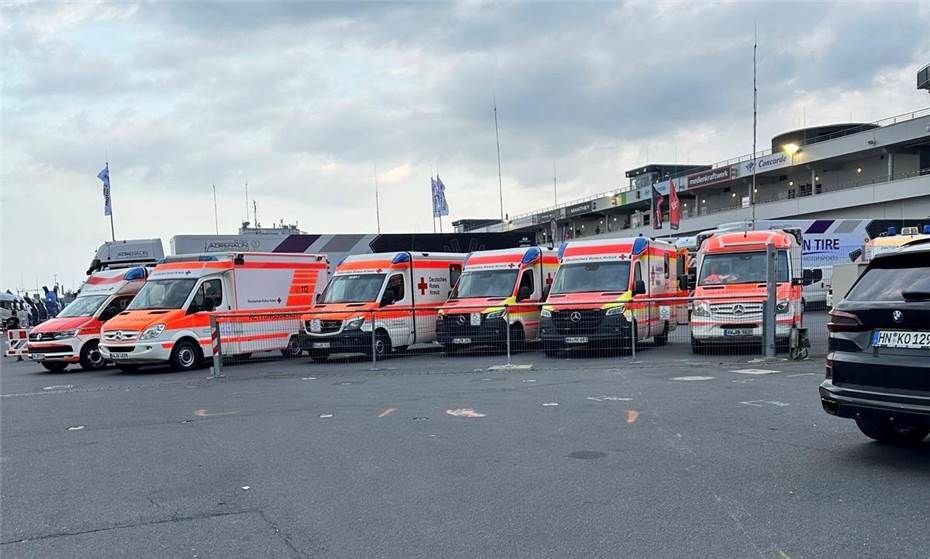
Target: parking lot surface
{"x": 664, "y": 455}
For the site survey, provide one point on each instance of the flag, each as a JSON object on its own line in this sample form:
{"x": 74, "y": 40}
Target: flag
{"x": 104, "y": 175}
{"x": 674, "y": 207}
{"x": 658, "y": 208}
{"x": 440, "y": 206}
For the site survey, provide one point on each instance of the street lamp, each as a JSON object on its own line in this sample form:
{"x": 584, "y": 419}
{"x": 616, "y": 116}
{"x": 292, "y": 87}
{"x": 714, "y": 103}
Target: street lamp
{"x": 791, "y": 148}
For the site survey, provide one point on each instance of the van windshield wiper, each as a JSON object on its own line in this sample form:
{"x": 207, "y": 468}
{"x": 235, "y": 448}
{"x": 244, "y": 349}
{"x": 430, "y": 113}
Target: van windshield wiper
{"x": 916, "y": 294}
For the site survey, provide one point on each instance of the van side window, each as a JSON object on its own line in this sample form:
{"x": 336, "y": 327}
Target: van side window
{"x": 637, "y": 273}
{"x": 396, "y": 285}
{"x": 212, "y": 289}
{"x": 115, "y": 307}
{"x": 455, "y": 270}
{"x": 666, "y": 266}
{"x": 527, "y": 281}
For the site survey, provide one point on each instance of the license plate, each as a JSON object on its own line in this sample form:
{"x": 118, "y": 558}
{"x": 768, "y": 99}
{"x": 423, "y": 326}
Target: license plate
{"x": 901, "y": 339}
{"x": 577, "y": 340}
{"x": 119, "y": 355}
{"x": 461, "y": 340}
{"x": 476, "y": 319}
{"x": 37, "y": 356}
{"x": 737, "y": 332}
{"x": 320, "y": 345}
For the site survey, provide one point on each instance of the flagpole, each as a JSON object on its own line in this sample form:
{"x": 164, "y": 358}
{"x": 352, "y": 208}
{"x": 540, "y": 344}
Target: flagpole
{"x": 755, "y": 96}
{"x": 377, "y": 202}
{"x": 112, "y": 228}
{"x": 216, "y": 215}
{"x": 500, "y": 182}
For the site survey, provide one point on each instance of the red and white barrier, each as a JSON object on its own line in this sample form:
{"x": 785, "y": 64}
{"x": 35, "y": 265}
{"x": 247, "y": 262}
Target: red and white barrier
{"x": 16, "y": 343}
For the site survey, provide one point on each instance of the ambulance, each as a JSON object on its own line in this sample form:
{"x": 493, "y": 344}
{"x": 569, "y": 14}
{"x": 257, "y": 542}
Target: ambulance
{"x": 380, "y": 303}
{"x": 257, "y": 296}
{"x": 731, "y": 287}
{"x": 73, "y": 336}
{"x": 491, "y": 281}
{"x": 609, "y": 292}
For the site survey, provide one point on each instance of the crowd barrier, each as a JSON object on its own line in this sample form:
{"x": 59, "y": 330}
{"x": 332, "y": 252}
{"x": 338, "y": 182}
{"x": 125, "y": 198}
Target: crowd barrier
{"x": 685, "y": 327}
{"x": 16, "y": 340}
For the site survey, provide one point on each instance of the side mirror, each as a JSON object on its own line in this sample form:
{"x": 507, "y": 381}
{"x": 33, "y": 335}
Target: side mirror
{"x": 524, "y": 293}
{"x": 318, "y": 298}
{"x": 639, "y": 288}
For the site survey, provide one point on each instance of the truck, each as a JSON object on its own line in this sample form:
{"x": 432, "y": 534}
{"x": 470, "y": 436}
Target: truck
{"x": 498, "y": 289}
{"x": 258, "y": 297}
{"x": 73, "y": 336}
{"x": 846, "y": 274}
{"x": 613, "y": 293}
{"x": 380, "y": 303}
{"x": 731, "y": 288}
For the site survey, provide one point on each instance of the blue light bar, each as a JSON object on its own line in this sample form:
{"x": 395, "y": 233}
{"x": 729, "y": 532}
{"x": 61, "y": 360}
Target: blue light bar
{"x": 562, "y": 249}
{"x": 135, "y": 274}
{"x": 530, "y": 255}
{"x": 639, "y": 245}
{"x": 400, "y": 258}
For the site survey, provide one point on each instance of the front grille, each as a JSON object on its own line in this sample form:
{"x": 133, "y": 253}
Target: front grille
{"x": 120, "y": 336}
{"x": 577, "y": 322}
{"x": 121, "y": 348}
{"x": 459, "y": 325}
{"x": 737, "y": 310}
{"x": 330, "y": 326}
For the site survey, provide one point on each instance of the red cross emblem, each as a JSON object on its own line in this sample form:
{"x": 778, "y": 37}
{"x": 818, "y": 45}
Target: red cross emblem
{"x": 549, "y": 278}
{"x": 422, "y": 286}
{"x": 510, "y": 265}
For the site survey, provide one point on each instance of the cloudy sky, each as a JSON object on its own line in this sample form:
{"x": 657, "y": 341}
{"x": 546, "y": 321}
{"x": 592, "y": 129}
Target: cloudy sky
{"x": 305, "y": 100}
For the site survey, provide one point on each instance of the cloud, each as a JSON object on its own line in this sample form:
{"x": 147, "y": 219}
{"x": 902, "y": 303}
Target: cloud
{"x": 303, "y": 100}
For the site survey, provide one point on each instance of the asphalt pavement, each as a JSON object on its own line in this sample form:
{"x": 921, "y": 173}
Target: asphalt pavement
{"x": 661, "y": 455}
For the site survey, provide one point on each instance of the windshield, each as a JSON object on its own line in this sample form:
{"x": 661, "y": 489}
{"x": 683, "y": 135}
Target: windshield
{"x": 83, "y": 306}
{"x": 485, "y": 283}
{"x": 740, "y": 267}
{"x": 890, "y": 280}
{"x": 353, "y": 288}
{"x": 162, "y": 294}
{"x": 592, "y": 276}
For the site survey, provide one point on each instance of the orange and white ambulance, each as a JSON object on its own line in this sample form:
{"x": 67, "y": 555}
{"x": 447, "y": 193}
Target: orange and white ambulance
{"x": 608, "y": 292}
{"x": 380, "y": 303}
{"x": 169, "y": 319}
{"x": 492, "y": 280}
{"x": 731, "y": 287}
{"x": 73, "y": 336}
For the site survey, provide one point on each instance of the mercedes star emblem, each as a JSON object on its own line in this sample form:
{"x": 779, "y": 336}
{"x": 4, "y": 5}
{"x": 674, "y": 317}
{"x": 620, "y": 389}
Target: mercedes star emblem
{"x": 461, "y": 320}
{"x": 575, "y": 316}
{"x": 738, "y": 309}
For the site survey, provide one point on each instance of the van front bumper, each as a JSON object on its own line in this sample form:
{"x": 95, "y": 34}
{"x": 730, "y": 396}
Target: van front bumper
{"x": 140, "y": 353}
{"x": 718, "y": 333}
{"x": 593, "y": 330}
{"x": 456, "y": 330}
{"x": 67, "y": 350}
{"x": 347, "y": 341}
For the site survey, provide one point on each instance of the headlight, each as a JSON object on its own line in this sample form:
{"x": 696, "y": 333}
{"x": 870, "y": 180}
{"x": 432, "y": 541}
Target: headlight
{"x": 545, "y": 313}
{"x": 355, "y": 323}
{"x": 701, "y": 308}
{"x": 495, "y": 314}
{"x": 314, "y": 325}
{"x": 152, "y": 332}
{"x": 65, "y": 334}
{"x": 614, "y": 310}
{"x": 783, "y": 306}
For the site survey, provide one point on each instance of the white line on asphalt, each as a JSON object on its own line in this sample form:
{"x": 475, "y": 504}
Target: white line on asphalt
{"x": 804, "y": 375}
{"x": 75, "y": 428}
{"x": 755, "y": 371}
{"x": 59, "y": 387}
{"x": 760, "y": 403}
{"x": 550, "y": 404}
{"x": 686, "y": 379}
{"x": 608, "y": 399}
{"x": 464, "y": 412}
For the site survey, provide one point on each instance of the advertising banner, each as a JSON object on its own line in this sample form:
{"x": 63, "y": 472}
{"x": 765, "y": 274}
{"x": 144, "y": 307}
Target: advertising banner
{"x": 710, "y": 176}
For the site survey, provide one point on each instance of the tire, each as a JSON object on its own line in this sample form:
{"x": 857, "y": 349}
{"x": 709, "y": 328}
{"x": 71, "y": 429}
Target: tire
{"x": 662, "y": 338}
{"x": 318, "y": 356}
{"x": 54, "y": 366}
{"x": 293, "y": 348}
{"x": 517, "y": 338}
{"x": 891, "y": 433}
{"x": 128, "y": 368}
{"x": 91, "y": 360}
{"x": 697, "y": 347}
{"x": 382, "y": 345}
{"x": 186, "y": 356}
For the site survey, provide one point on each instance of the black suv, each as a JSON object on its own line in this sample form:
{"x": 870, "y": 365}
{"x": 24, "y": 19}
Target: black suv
{"x": 878, "y": 365}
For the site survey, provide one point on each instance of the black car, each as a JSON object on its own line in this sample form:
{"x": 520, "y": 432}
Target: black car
{"x": 878, "y": 365}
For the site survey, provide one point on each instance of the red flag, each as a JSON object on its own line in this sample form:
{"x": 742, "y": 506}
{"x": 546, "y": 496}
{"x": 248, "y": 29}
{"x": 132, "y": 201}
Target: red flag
{"x": 674, "y": 207}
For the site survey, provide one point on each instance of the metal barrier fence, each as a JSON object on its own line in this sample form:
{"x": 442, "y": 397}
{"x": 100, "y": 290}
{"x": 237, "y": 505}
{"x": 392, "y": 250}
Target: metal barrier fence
{"x": 599, "y": 327}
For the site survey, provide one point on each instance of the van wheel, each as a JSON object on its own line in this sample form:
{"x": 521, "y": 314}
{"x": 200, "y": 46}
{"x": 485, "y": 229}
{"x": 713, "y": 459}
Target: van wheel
{"x": 382, "y": 345}
{"x": 91, "y": 359}
{"x": 54, "y": 366}
{"x": 892, "y": 433}
{"x": 185, "y": 356}
{"x": 293, "y": 348}
{"x": 661, "y": 339}
{"x": 318, "y": 356}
